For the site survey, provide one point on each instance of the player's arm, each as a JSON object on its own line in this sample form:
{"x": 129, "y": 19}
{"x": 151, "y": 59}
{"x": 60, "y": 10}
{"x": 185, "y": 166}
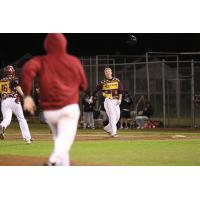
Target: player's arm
{"x": 120, "y": 97}
{"x": 28, "y": 100}
{"x": 98, "y": 88}
{"x": 120, "y": 92}
{"x": 19, "y": 90}
{"x": 15, "y": 84}
{"x": 29, "y": 71}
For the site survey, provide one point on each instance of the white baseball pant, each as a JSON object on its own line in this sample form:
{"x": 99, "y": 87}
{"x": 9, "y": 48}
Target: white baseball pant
{"x": 63, "y": 123}
{"x": 9, "y": 106}
{"x": 113, "y": 111}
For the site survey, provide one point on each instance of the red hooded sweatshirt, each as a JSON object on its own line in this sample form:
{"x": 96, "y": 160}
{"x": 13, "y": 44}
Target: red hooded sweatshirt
{"x": 61, "y": 76}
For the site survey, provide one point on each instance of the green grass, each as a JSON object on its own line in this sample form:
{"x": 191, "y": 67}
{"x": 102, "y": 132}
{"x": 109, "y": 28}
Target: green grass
{"x": 37, "y": 148}
{"x": 120, "y": 153}
{"x": 35, "y": 128}
{"x": 142, "y": 153}
{"x": 114, "y": 152}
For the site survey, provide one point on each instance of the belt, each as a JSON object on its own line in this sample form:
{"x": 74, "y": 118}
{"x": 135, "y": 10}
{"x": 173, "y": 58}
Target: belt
{"x": 112, "y": 98}
{"x": 8, "y": 96}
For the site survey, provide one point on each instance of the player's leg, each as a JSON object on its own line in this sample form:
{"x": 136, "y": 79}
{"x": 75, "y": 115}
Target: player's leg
{"x": 113, "y": 112}
{"x": 126, "y": 117}
{"x": 6, "y": 112}
{"x": 53, "y": 156}
{"x": 51, "y": 119}
{"x": 87, "y": 120}
{"x": 91, "y": 120}
{"x": 107, "y": 128}
{"x": 84, "y": 120}
{"x": 7, "y": 116}
{"x": 67, "y": 128}
{"x": 117, "y": 114}
{"x": 67, "y": 118}
{"x": 117, "y": 111}
{"x": 17, "y": 110}
{"x": 104, "y": 117}
{"x": 121, "y": 123}
{"x": 126, "y": 123}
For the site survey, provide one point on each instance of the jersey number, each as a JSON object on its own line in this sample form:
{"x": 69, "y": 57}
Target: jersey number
{"x": 4, "y": 87}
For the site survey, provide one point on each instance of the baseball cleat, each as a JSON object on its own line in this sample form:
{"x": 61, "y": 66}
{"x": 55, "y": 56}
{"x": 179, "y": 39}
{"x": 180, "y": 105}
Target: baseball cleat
{"x": 49, "y": 164}
{"x": 2, "y": 133}
{"x": 107, "y": 131}
{"x": 115, "y": 136}
{"x": 28, "y": 141}
{"x": 2, "y": 136}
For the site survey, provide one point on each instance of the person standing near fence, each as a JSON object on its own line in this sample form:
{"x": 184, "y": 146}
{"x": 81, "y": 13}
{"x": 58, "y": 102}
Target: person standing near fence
{"x": 111, "y": 89}
{"x": 60, "y": 77}
{"x": 127, "y": 102}
{"x": 88, "y": 109}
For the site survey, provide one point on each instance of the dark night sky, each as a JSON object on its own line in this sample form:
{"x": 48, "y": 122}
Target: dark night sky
{"x": 13, "y": 46}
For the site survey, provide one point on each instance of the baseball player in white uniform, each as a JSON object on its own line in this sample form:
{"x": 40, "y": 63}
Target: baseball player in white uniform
{"x": 10, "y": 103}
{"x": 111, "y": 89}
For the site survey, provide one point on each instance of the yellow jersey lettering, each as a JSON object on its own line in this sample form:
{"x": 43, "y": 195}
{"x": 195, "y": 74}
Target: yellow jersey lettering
{"x": 110, "y": 86}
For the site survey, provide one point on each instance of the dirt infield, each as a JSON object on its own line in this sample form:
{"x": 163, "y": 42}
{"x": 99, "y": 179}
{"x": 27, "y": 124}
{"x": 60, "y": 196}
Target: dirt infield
{"x": 32, "y": 161}
{"x": 48, "y": 137}
{"x": 8, "y": 160}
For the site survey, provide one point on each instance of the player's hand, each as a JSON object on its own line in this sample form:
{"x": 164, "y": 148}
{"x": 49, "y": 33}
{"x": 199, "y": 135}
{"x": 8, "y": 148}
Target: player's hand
{"x": 90, "y": 100}
{"x": 118, "y": 102}
{"x": 29, "y": 104}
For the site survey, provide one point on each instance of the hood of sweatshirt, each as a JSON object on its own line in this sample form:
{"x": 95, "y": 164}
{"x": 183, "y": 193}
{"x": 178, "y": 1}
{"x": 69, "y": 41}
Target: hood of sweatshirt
{"x": 55, "y": 43}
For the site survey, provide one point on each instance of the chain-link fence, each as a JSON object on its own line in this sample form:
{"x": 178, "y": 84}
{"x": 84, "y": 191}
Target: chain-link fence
{"x": 170, "y": 85}
{"x": 168, "y": 82}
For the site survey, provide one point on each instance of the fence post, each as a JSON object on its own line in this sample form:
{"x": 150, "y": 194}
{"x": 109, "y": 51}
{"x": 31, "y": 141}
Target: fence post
{"x": 114, "y": 67}
{"x": 134, "y": 80}
{"x": 192, "y": 95}
{"x": 91, "y": 80}
{"x": 178, "y": 92}
{"x": 164, "y": 93}
{"x": 97, "y": 68}
{"x": 147, "y": 70}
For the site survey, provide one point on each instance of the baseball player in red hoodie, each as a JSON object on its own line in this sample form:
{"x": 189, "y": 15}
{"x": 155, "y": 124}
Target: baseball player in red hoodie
{"x": 61, "y": 77}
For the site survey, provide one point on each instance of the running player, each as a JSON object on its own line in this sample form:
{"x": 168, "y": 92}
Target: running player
{"x": 61, "y": 77}
{"x": 10, "y": 103}
{"x": 111, "y": 89}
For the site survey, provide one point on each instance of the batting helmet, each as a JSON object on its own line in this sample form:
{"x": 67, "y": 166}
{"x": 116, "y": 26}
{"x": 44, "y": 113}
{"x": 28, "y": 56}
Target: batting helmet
{"x": 9, "y": 70}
